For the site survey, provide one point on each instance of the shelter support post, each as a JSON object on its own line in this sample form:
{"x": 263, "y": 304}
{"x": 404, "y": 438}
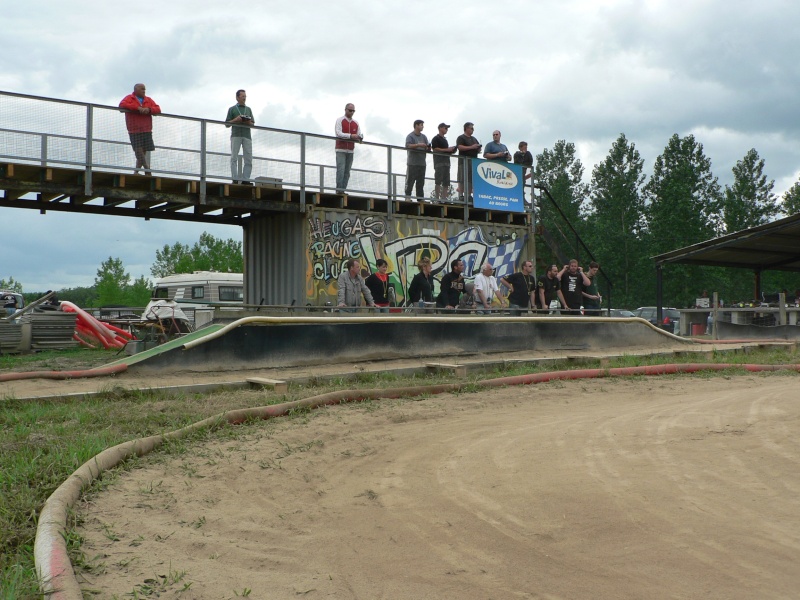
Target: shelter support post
{"x": 659, "y": 294}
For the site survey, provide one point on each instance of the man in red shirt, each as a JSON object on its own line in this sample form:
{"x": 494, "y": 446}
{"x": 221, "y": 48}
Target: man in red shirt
{"x": 139, "y": 121}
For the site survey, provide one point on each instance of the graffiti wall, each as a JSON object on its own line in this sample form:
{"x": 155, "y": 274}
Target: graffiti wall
{"x": 335, "y": 236}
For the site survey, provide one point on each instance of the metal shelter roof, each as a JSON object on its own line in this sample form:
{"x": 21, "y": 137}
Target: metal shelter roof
{"x": 774, "y": 246}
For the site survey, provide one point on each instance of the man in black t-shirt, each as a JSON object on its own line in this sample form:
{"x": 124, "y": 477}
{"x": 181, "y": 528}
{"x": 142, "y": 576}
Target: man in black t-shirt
{"x": 468, "y": 148}
{"x": 441, "y": 162}
{"x": 570, "y": 294}
{"x": 452, "y": 286}
{"x": 523, "y": 289}
{"x": 548, "y": 287}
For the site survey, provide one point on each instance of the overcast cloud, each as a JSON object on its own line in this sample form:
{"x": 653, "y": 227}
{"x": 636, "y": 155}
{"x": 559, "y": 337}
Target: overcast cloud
{"x": 584, "y": 71}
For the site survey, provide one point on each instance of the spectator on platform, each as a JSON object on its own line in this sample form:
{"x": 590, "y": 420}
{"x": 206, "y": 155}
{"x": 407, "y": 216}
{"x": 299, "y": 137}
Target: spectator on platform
{"x": 468, "y": 148}
{"x": 416, "y": 163}
{"x": 486, "y": 289}
{"x": 591, "y": 295}
{"x": 352, "y": 287}
{"x": 548, "y": 287}
{"x": 525, "y": 158}
{"x": 441, "y": 162}
{"x": 570, "y": 293}
{"x": 421, "y": 288}
{"x": 348, "y": 133}
{"x": 523, "y": 289}
{"x": 240, "y": 120}
{"x": 495, "y": 150}
{"x": 378, "y": 284}
{"x": 452, "y": 286}
{"x": 139, "y": 122}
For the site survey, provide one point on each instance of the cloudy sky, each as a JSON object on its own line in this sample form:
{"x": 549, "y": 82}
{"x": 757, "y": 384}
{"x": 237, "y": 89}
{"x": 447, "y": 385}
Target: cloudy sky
{"x": 539, "y": 70}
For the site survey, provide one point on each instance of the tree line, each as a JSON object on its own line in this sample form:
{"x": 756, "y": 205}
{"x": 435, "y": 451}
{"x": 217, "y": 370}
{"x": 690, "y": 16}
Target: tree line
{"x": 626, "y": 218}
{"x": 113, "y": 285}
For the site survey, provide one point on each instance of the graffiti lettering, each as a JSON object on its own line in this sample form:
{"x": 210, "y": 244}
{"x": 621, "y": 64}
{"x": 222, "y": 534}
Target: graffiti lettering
{"x": 320, "y": 230}
{"x": 336, "y": 249}
{"x": 334, "y": 241}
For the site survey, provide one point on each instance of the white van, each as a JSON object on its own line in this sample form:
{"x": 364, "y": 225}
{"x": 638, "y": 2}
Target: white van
{"x": 199, "y": 292}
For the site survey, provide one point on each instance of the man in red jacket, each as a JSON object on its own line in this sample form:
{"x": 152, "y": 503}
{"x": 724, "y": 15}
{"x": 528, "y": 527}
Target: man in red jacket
{"x": 347, "y": 133}
{"x": 139, "y": 121}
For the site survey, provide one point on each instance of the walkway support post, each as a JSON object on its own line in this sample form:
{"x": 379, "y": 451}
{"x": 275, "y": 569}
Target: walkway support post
{"x": 203, "y": 125}
{"x": 87, "y": 183}
{"x": 303, "y": 172}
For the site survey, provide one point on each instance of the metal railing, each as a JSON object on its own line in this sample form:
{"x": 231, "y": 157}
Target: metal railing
{"x": 60, "y": 133}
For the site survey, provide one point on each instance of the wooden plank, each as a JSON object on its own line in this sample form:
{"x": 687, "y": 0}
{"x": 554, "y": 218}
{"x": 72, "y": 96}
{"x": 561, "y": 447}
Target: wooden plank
{"x": 457, "y": 370}
{"x": 276, "y": 385}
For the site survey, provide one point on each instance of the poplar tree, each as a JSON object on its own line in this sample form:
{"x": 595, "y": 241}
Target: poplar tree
{"x": 617, "y": 217}
{"x": 791, "y": 200}
{"x": 749, "y": 201}
{"x": 683, "y": 204}
{"x": 561, "y": 172}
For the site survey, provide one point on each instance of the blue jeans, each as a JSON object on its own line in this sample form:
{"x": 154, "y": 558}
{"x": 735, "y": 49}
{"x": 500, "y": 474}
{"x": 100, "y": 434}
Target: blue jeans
{"x": 344, "y": 160}
{"x": 517, "y": 310}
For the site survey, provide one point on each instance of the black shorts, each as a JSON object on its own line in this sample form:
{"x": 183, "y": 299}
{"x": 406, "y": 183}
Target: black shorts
{"x": 143, "y": 140}
{"x": 442, "y": 174}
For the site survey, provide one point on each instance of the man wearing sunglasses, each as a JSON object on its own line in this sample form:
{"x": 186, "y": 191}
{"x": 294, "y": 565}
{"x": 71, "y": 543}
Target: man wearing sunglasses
{"x": 347, "y": 133}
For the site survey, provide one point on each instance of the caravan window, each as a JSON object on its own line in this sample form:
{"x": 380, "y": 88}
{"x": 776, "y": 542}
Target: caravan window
{"x": 198, "y": 292}
{"x": 161, "y": 292}
{"x": 231, "y": 293}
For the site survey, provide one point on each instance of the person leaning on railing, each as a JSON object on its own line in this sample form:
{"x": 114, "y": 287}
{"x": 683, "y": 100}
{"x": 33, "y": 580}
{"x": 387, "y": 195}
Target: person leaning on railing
{"x": 421, "y": 289}
{"x": 351, "y": 287}
{"x": 378, "y": 284}
{"x": 139, "y": 122}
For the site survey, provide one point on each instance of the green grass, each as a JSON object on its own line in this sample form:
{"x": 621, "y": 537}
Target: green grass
{"x": 50, "y": 360}
{"x": 43, "y": 442}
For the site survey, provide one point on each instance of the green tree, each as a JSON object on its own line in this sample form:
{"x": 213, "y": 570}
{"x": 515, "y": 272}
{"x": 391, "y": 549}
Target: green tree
{"x": 616, "y": 221}
{"x": 561, "y": 172}
{"x": 749, "y": 201}
{"x": 208, "y": 254}
{"x": 683, "y": 204}
{"x": 791, "y": 200}
{"x": 139, "y": 292}
{"x": 111, "y": 282}
{"x": 82, "y": 296}
{"x": 168, "y": 258}
{"x": 11, "y": 285}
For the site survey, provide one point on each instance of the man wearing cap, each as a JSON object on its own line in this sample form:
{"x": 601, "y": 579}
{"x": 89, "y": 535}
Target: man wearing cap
{"x": 417, "y": 145}
{"x": 441, "y": 162}
{"x": 495, "y": 150}
{"x": 468, "y": 148}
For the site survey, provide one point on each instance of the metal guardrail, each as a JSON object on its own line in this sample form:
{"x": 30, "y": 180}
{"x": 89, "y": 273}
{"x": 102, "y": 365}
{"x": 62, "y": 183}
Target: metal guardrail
{"x": 61, "y": 133}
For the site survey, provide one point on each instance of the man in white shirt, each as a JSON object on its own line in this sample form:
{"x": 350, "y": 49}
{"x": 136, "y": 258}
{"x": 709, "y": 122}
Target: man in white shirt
{"x": 486, "y": 289}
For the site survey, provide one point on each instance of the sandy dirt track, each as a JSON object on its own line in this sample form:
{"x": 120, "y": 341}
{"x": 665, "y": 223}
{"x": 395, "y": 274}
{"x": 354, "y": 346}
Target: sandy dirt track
{"x": 663, "y": 487}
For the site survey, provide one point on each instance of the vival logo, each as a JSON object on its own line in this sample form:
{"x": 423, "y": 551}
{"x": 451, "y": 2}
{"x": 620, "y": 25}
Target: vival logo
{"x": 498, "y": 175}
